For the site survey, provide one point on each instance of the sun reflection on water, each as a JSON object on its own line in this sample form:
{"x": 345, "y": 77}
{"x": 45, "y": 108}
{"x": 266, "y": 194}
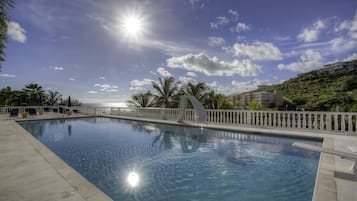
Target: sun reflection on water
{"x": 133, "y": 179}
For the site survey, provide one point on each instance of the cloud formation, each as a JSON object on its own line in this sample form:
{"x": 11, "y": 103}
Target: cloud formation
{"x": 213, "y": 66}
{"x": 107, "y": 88}
{"x": 216, "y": 41}
{"x": 258, "y": 51}
{"x": 16, "y": 32}
{"x": 237, "y": 87}
{"x": 312, "y": 33}
{"x": 241, "y": 27}
{"x": 351, "y": 57}
{"x": 7, "y": 75}
{"x": 220, "y": 21}
{"x": 309, "y": 60}
{"x": 163, "y": 72}
{"x": 56, "y": 68}
{"x": 140, "y": 83}
{"x": 191, "y": 74}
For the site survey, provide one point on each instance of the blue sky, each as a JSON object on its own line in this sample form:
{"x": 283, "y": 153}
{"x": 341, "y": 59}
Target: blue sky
{"x": 82, "y": 48}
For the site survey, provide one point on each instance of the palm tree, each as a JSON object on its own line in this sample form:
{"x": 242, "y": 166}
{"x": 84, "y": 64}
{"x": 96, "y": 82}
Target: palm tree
{"x": 35, "y": 93}
{"x": 4, "y": 7}
{"x": 53, "y": 97}
{"x": 199, "y": 90}
{"x": 142, "y": 99}
{"x": 6, "y": 96}
{"x": 166, "y": 90}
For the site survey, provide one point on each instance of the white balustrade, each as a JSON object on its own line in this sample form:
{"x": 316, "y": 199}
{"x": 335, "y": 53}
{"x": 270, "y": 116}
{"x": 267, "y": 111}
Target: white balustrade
{"x": 342, "y": 123}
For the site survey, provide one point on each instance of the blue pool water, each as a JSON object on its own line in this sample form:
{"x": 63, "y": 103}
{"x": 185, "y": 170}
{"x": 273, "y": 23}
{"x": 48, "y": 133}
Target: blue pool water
{"x": 131, "y": 160}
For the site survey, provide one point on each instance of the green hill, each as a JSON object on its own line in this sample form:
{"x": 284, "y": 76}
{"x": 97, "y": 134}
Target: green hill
{"x": 321, "y": 90}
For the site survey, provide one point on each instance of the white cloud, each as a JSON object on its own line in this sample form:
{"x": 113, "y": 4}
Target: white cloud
{"x": 240, "y": 27}
{"x": 351, "y": 57}
{"x": 213, "y": 66}
{"x": 250, "y": 85}
{"x": 56, "y": 68}
{"x": 107, "y": 88}
{"x": 258, "y": 51}
{"x": 137, "y": 89}
{"x": 344, "y": 25}
{"x": 216, "y": 41}
{"x": 71, "y": 79}
{"x": 163, "y": 72}
{"x": 220, "y": 21}
{"x": 140, "y": 83}
{"x": 185, "y": 80}
{"x": 191, "y": 74}
{"x": 312, "y": 33}
{"x": 237, "y": 87}
{"x": 92, "y": 92}
{"x": 234, "y": 14}
{"x": 16, "y": 32}
{"x": 7, "y": 75}
{"x": 308, "y": 61}
{"x": 341, "y": 44}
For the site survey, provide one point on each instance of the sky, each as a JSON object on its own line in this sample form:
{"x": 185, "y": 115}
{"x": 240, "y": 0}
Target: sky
{"x": 105, "y": 51}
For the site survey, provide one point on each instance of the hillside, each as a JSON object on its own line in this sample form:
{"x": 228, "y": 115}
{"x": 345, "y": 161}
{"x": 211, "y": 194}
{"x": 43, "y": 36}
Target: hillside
{"x": 321, "y": 90}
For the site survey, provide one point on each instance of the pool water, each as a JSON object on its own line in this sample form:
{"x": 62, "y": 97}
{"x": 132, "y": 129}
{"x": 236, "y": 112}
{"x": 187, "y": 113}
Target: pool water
{"x": 132, "y": 160}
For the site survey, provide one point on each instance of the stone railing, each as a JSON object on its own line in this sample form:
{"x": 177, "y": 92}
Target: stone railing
{"x": 344, "y": 123}
{"x": 332, "y": 122}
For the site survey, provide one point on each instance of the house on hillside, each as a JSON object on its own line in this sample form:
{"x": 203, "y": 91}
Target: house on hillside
{"x": 340, "y": 65}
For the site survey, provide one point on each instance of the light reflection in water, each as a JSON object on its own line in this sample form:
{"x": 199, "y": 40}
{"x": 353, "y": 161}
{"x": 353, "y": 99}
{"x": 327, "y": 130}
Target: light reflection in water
{"x": 133, "y": 179}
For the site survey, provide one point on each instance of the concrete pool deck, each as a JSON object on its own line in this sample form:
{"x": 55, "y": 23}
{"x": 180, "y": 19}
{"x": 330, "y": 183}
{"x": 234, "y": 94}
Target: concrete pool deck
{"x": 30, "y": 171}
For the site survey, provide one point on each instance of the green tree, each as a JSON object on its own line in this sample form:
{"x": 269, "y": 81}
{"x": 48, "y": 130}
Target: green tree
{"x": 6, "y": 96}
{"x": 142, "y": 99}
{"x": 35, "y": 94}
{"x": 53, "y": 98}
{"x": 4, "y": 7}
{"x": 217, "y": 101}
{"x": 166, "y": 90}
{"x": 199, "y": 90}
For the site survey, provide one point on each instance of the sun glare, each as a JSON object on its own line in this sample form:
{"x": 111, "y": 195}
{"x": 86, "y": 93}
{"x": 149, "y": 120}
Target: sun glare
{"x": 133, "y": 179}
{"x": 132, "y": 26}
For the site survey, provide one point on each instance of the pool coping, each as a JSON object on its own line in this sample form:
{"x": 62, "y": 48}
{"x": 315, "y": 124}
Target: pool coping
{"x": 58, "y": 173}
{"x": 325, "y": 184}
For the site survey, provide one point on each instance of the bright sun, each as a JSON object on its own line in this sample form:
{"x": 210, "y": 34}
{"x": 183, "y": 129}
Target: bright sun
{"x": 132, "y": 26}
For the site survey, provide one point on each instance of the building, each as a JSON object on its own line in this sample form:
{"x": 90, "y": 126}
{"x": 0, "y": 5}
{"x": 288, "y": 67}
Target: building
{"x": 264, "y": 98}
{"x": 340, "y": 65}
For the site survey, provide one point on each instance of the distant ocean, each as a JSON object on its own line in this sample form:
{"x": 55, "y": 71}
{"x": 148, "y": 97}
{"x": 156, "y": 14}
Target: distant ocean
{"x": 121, "y": 104}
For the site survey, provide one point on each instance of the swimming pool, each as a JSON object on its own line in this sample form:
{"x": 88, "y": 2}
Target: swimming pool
{"x": 132, "y": 160}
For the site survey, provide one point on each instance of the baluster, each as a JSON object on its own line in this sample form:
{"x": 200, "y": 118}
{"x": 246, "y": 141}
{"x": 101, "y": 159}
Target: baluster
{"x": 322, "y": 126}
{"x": 336, "y": 122}
{"x": 350, "y": 124}
{"x": 343, "y": 124}
{"x": 309, "y": 121}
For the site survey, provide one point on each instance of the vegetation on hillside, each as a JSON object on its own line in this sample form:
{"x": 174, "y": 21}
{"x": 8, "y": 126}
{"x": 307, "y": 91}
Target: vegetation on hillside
{"x": 167, "y": 94}
{"x": 33, "y": 95}
{"x": 320, "y": 90}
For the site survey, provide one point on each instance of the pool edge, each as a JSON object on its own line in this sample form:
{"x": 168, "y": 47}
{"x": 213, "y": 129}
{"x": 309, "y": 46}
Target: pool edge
{"x": 82, "y": 187}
